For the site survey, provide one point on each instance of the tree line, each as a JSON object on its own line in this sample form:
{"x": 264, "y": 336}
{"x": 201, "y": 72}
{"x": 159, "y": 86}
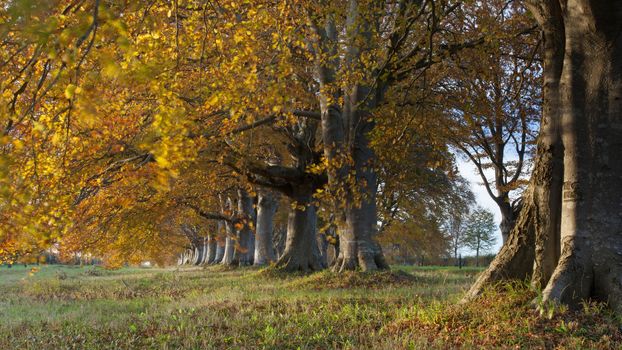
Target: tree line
{"x": 132, "y": 129}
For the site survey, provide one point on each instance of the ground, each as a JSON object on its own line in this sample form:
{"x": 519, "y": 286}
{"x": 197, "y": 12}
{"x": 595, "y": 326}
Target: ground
{"x": 61, "y": 307}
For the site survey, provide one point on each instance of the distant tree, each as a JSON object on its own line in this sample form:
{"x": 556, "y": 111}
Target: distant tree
{"x": 456, "y": 211}
{"x": 480, "y": 232}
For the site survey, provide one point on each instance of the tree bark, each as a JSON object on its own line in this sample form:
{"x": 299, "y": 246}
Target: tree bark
{"x": 189, "y": 253}
{"x": 278, "y": 241}
{"x": 220, "y": 252}
{"x": 219, "y": 242}
{"x": 251, "y": 243}
{"x": 204, "y": 254}
{"x": 548, "y": 185}
{"x": 301, "y": 251}
{"x": 243, "y": 253}
{"x": 229, "y": 249}
{"x": 266, "y": 209}
{"x": 583, "y": 104}
{"x": 211, "y": 250}
{"x": 508, "y": 220}
{"x": 591, "y": 94}
{"x": 322, "y": 244}
{"x": 196, "y": 256}
{"x": 357, "y": 244}
{"x": 345, "y": 134}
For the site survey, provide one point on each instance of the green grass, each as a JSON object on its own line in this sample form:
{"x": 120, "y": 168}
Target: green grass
{"x": 62, "y": 307}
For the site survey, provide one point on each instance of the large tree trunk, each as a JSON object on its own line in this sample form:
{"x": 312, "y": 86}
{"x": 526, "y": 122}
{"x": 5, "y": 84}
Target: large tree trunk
{"x": 358, "y": 247}
{"x": 591, "y": 92}
{"x": 266, "y": 209}
{"x": 583, "y": 85}
{"x": 548, "y": 185}
{"x": 345, "y": 134}
{"x": 520, "y": 257}
{"x": 301, "y": 251}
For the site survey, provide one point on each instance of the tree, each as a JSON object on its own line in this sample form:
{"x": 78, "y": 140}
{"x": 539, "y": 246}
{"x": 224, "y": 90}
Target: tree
{"x": 103, "y": 124}
{"x": 365, "y": 51}
{"x": 479, "y": 234}
{"x": 455, "y": 214}
{"x": 570, "y": 224}
{"x": 492, "y": 97}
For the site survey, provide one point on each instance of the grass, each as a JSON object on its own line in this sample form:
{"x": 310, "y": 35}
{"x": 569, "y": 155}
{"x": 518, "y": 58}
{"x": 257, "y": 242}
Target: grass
{"x": 61, "y": 307}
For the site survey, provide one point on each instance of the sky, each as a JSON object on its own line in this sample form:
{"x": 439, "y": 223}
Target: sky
{"x": 469, "y": 172}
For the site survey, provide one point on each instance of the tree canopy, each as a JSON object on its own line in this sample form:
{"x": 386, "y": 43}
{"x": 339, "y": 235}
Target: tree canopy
{"x": 152, "y": 128}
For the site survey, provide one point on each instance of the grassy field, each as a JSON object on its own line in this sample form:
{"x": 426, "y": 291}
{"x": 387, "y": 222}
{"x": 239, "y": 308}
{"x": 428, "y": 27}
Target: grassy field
{"x": 61, "y": 307}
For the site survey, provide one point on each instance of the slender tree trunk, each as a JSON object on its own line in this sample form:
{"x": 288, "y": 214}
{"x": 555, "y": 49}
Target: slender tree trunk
{"x": 266, "y": 209}
{"x": 336, "y": 250}
{"x": 206, "y": 249}
{"x": 251, "y": 246}
{"x": 211, "y": 250}
{"x": 203, "y": 249}
{"x": 219, "y": 242}
{"x": 322, "y": 244}
{"x": 243, "y": 253}
{"x": 229, "y": 249}
{"x": 203, "y": 259}
{"x": 279, "y": 241}
{"x": 301, "y": 251}
{"x": 188, "y": 259}
{"x": 220, "y": 252}
{"x": 196, "y": 257}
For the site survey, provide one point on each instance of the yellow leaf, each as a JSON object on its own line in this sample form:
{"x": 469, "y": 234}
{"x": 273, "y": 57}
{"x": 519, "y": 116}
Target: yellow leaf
{"x": 70, "y": 91}
{"x": 111, "y": 70}
{"x": 213, "y": 101}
